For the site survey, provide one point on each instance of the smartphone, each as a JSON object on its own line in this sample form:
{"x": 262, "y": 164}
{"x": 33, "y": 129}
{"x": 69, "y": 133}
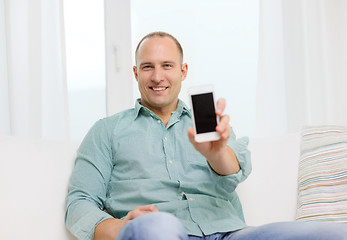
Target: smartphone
{"x": 204, "y": 115}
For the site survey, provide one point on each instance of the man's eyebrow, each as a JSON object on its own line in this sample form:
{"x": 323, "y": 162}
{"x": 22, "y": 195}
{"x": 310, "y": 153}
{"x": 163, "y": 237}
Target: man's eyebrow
{"x": 164, "y": 62}
{"x": 145, "y": 63}
{"x": 172, "y": 62}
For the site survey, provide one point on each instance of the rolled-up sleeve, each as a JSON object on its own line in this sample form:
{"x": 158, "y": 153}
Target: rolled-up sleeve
{"x": 243, "y": 155}
{"x": 88, "y": 183}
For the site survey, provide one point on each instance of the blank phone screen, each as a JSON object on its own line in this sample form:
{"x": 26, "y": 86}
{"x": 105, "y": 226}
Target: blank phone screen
{"x": 204, "y": 113}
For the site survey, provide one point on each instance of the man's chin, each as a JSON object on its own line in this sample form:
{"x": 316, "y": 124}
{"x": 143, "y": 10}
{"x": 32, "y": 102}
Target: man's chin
{"x": 160, "y": 104}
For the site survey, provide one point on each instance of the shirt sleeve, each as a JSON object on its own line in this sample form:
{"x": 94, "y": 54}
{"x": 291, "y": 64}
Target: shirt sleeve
{"x": 243, "y": 156}
{"x": 88, "y": 183}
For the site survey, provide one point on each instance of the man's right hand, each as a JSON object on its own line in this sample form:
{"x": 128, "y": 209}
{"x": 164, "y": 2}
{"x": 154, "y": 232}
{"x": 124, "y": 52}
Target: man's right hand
{"x": 139, "y": 211}
{"x": 110, "y": 228}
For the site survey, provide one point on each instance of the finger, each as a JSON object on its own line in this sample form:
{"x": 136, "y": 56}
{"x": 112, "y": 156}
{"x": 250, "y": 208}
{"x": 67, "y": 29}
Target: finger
{"x": 221, "y": 103}
{"x": 226, "y": 133}
{"x": 147, "y": 208}
{"x": 134, "y": 214}
{"x": 191, "y": 135}
{"x": 139, "y": 211}
{"x": 130, "y": 216}
{"x": 223, "y": 123}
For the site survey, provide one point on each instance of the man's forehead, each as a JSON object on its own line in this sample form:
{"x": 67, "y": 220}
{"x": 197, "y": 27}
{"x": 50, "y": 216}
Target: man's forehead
{"x": 154, "y": 41}
{"x": 150, "y": 48}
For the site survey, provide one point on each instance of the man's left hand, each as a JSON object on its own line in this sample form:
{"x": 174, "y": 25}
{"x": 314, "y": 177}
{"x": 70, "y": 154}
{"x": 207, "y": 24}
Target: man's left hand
{"x": 223, "y": 128}
{"x": 221, "y": 158}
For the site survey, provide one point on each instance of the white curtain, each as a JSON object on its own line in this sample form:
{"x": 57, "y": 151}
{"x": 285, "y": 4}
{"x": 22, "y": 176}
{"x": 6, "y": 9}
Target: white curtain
{"x": 33, "y": 76}
{"x": 302, "y": 65}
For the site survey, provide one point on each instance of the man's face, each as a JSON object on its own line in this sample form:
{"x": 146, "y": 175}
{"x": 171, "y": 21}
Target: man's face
{"x": 159, "y": 73}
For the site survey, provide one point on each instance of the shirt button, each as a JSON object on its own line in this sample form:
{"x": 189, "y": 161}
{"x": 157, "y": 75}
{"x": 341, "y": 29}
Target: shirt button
{"x": 170, "y": 161}
{"x": 159, "y": 121}
{"x": 165, "y": 138}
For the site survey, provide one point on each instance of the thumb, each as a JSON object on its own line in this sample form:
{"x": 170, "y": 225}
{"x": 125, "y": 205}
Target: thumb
{"x": 191, "y": 135}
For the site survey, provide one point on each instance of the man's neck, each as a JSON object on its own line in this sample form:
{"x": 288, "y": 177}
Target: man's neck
{"x": 164, "y": 113}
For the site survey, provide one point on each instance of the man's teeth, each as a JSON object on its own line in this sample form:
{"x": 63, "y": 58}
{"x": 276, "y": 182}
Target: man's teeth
{"x": 158, "y": 88}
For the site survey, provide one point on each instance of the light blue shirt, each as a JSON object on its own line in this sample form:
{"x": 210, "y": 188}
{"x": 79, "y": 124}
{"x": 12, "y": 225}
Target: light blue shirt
{"x": 132, "y": 159}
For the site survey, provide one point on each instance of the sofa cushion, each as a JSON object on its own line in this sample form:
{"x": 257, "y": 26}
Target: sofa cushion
{"x": 322, "y": 182}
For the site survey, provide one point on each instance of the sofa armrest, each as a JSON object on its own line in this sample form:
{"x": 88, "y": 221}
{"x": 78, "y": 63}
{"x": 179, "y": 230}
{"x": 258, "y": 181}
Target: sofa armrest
{"x": 270, "y": 192}
{"x": 34, "y": 176}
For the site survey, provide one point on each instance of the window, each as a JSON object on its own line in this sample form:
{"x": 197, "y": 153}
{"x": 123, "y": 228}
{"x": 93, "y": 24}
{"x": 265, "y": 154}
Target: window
{"x": 85, "y": 57}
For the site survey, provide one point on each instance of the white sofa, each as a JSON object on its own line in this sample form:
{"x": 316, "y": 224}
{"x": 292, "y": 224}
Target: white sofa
{"x": 34, "y": 176}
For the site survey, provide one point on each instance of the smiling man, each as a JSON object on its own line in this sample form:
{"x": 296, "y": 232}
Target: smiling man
{"x": 145, "y": 160}
{"x": 140, "y": 175}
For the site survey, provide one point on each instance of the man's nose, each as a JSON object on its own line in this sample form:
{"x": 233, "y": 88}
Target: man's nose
{"x": 157, "y": 75}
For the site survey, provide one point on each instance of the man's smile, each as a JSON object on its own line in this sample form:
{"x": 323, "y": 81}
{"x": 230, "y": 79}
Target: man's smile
{"x": 158, "y": 88}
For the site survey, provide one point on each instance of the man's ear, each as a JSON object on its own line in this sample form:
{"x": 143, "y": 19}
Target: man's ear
{"x": 184, "y": 70}
{"x": 135, "y": 72}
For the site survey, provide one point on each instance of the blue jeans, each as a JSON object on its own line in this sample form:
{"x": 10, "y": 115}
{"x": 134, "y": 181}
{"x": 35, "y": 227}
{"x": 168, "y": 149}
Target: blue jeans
{"x": 164, "y": 226}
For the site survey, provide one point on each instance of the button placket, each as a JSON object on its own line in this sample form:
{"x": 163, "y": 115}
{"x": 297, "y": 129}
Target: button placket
{"x": 170, "y": 163}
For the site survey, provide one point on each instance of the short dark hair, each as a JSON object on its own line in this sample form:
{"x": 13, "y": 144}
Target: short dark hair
{"x": 160, "y": 34}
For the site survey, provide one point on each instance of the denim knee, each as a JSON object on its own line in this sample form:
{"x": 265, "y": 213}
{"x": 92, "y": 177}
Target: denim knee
{"x": 293, "y": 230}
{"x": 159, "y": 225}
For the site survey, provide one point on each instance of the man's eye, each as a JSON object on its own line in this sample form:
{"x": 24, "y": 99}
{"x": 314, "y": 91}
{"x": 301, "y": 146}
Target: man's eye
{"x": 168, "y": 66}
{"x": 146, "y": 67}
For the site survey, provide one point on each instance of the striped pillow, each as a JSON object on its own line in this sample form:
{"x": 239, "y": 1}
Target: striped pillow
{"x": 322, "y": 182}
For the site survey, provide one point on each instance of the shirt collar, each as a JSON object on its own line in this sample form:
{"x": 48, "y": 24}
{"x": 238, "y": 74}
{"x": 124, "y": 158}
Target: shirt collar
{"x": 181, "y": 108}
